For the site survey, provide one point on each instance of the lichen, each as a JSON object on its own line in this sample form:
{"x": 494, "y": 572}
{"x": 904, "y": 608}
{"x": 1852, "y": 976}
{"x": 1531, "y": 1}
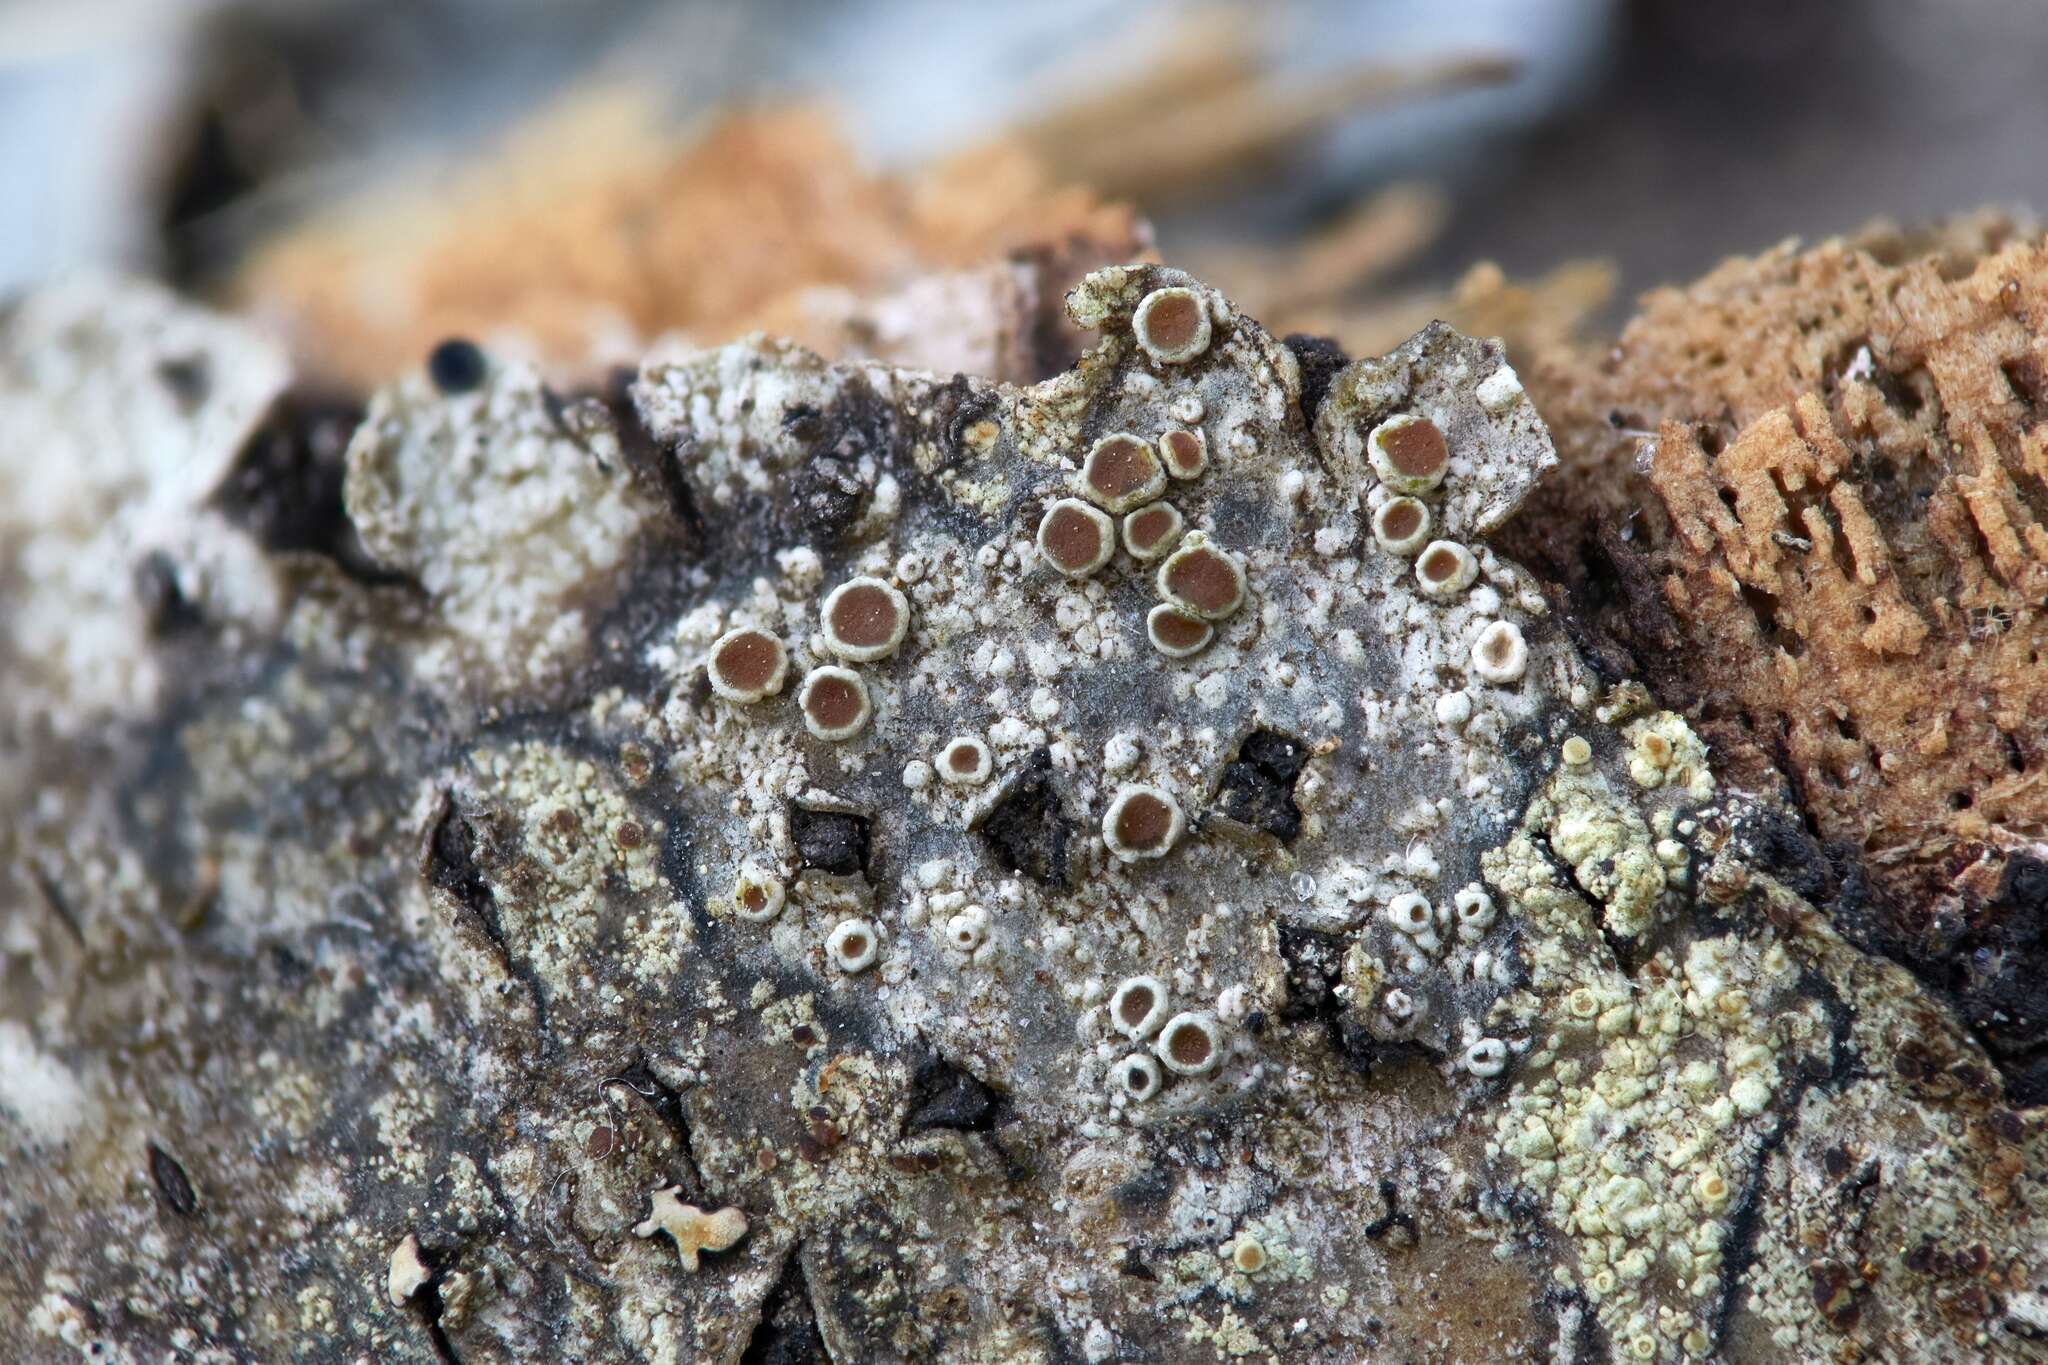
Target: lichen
{"x": 1355, "y": 978}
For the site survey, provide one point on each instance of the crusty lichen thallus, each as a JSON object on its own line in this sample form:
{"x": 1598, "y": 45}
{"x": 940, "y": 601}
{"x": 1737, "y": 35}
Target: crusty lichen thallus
{"x": 1122, "y": 884}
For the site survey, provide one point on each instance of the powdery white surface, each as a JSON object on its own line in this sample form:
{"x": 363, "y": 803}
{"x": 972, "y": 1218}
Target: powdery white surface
{"x": 38, "y": 1092}
{"x": 122, "y": 407}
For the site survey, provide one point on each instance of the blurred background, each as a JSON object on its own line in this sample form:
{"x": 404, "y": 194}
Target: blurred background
{"x": 372, "y": 174}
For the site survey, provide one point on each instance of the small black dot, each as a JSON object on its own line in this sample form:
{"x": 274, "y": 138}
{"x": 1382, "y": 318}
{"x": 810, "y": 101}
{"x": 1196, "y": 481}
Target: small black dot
{"x": 456, "y": 366}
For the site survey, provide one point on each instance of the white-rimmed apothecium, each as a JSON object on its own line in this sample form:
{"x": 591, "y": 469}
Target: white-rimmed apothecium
{"x": 1172, "y": 325}
{"x": 1445, "y": 568}
{"x": 746, "y": 665}
{"x": 1138, "y": 1007}
{"x": 1203, "y": 578}
{"x": 1075, "y": 538}
{"x": 1176, "y": 633}
{"x": 1151, "y": 531}
{"x": 852, "y": 945}
{"x": 1401, "y": 526}
{"x": 834, "y": 702}
{"x": 1186, "y": 453}
{"x": 1410, "y": 913}
{"x": 965, "y": 761}
{"x": 1140, "y": 1076}
{"x": 1474, "y": 908}
{"x": 1408, "y": 453}
{"x": 1499, "y": 654}
{"x": 968, "y": 929}
{"x": 864, "y": 619}
{"x": 1246, "y": 1254}
{"x": 1191, "y": 1044}
{"x": 1121, "y": 472}
{"x": 757, "y": 895}
{"x": 1141, "y": 822}
{"x": 1486, "y": 1058}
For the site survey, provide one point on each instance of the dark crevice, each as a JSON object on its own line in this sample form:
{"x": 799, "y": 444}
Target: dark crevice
{"x": 829, "y": 490}
{"x": 173, "y": 1186}
{"x": 1147, "y": 1191}
{"x": 1777, "y": 843}
{"x": 787, "y": 1333}
{"x": 678, "y": 865}
{"x": 832, "y": 841}
{"x": 285, "y": 488}
{"x": 1773, "y": 632}
{"x": 1058, "y": 1350}
{"x": 1609, "y": 592}
{"x": 1320, "y": 360}
{"x": 449, "y": 864}
{"x": 2031, "y": 488}
{"x": 1257, "y": 788}
{"x": 656, "y": 463}
{"x": 1018, "y": 1165}
{"x": 957, "y": 407}
{"x": 1992, "y": 970}
{"x": 1394, "y": 1224}
{"x": 1315, "y": 965}
{"x": 1844, "y": 1062}
{"x": 1742, "y": 1230}
{"x": 1629, "y": 953}
{"x": 942, "y": 1095}
{"x": 1365, "y": 1052}
{"x": 1589, "y": 605}
{"x": 2028, "y": 378}
{"x": 1027, "y": 827}
{"x": 165, "y": 608}
{"x": 1999, "y": 971}
{"x": 189, "y": 378}
{"x": 1794, "y": 778}
{"x": 656, "y": 466}
{"x": 426, "y": 1303}
{"x": 431, "y": 1310}
{"x": 209, "y": 171}
{"x": 1744, "y": 1221}
{"x": 428, "y": 1306}
{"x": 667, "y": 1105}
{"x": 1574, "y": 1314}
{"x": 60, "y": 908}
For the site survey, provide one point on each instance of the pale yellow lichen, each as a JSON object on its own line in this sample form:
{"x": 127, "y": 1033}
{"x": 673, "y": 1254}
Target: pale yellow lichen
{"x": 689, "y": 1227}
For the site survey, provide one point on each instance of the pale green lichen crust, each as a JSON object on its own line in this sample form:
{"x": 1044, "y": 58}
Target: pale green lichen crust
{"x": 409, "y": 951}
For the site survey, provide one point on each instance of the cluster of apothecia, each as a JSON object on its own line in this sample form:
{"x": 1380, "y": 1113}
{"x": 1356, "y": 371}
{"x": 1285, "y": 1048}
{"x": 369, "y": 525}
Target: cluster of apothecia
{"x": 1411, "y": 457}
{"x": 1126, "y": 475}
{"x": 863, "y": 620}
{"x": 1189, "y": 1043}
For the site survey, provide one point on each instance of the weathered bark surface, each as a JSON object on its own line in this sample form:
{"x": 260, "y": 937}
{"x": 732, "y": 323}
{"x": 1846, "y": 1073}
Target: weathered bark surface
{"x": 1823, "y": 470}
{"x": 377, "y": 849}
